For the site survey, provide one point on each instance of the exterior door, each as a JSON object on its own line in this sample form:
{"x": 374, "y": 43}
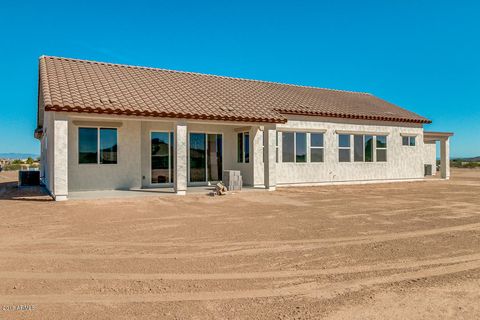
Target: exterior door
{"x": 161, "y": 158}
{"x": 205, "y": 157}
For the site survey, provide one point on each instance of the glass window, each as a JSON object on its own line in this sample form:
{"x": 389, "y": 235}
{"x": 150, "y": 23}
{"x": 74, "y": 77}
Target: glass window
{"x": 300, "y": 147}
{"x": 344, "y": 141}
{"x": 214, "y": 158}
{"x": 344, "y": 148}
{"x": 316, "y": 139}
{"x": 93, "y": 142}
{"x": 381, "y": 148}
{"x": 108, "y": 146}
{"x": 381, "y": 155}
{"x": 316, "y": 155}
{"x": 246, "y": 146}
{"x": 358, "y": 148}
{"x": 243, "y": 147}
{"x": 240, "y": 147}
{"x": 344, "y": 155}
{"x": 161, "y": 157}
{"x": 408, "y": 141}
{"x": 87, "y": 145}
{"x": 288, "y": 143}
{"x": 412, "y": 141}
{"x": 381, "y": 142}
{"x": 198, "y": 155}
{"x": 316, "y": 147}
{"x": 368, "y": 148}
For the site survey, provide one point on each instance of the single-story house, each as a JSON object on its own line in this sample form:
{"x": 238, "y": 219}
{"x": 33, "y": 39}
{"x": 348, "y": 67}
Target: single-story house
{"x": 106, "y": 126}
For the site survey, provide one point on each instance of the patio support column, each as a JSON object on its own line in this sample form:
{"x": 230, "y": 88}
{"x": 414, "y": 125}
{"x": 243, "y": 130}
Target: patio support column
{"x": 445, "y": 158}
{"x": 60, "y": 160}
{"x": 269, "y": 157}
{"x": 181, "y": 161}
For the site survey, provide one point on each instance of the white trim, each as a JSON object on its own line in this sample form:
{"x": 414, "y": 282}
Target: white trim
{"x": 101, "y": 124}
{"x": 350, "y": 147}
{"x": 360, "y": 132}
{"x": 243, "y": 145}
{"x": 302, "y": 130}
{"x": 310, "y": 147}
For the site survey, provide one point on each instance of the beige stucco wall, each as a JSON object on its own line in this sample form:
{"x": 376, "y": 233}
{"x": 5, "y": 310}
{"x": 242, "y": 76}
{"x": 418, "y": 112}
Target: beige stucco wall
{"x": 125, "y": 174}
{"x": 134, "y": 159}
{"x": 402, "y": 162}
{"x": 133, "y": 168}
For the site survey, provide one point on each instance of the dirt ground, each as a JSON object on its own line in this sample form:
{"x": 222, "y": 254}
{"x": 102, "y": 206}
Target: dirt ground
{"x": 383, "y": 251}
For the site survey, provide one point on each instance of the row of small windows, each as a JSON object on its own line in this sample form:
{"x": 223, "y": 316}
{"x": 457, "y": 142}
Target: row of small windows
{"x": 366, "y": 148}
{"x": 351, "y": 147}
{"x": 99, "y": 146}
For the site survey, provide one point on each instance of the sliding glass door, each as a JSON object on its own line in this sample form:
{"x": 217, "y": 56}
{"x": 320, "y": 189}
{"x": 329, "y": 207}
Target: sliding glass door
{"x": 161, "y": 157}
{"x": 205, "y": 157}
{"x": 198, "y": 156}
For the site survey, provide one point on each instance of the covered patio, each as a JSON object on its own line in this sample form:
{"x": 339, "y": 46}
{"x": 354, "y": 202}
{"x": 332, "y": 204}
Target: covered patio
{"x": 155, "y": 156}
{"x": 444, "y": 139}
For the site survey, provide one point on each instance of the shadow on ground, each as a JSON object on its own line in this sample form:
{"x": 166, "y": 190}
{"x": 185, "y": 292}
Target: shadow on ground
{"x": 11, "y": 191}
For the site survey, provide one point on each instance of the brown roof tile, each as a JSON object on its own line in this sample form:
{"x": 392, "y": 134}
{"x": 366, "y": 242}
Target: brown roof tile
{"x": 87, "y": 86}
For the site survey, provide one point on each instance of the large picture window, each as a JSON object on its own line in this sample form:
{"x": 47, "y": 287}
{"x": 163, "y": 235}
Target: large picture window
{"x": 316, "y": 147}
{"x": 363, "y": 148}
{"x": 97, "y": 145}
{"x": 243, "y": 147}
{"x": 366, "y": 146}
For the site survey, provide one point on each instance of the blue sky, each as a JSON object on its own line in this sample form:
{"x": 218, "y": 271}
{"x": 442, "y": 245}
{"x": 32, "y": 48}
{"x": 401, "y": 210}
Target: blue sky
{"x": 421, "y": 55}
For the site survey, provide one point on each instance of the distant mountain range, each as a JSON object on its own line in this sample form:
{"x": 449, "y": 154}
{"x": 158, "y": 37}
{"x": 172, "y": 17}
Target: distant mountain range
{"x": 14, "y": 156}
{"x": 474, "y": 159}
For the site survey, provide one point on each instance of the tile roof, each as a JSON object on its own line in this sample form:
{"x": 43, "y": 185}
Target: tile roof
{"x": 87, "y": 86}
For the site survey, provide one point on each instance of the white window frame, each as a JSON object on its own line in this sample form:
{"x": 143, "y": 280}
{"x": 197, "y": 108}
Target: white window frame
{"x": 377, "y": 148}
{"x": 349, "y": 148}
{"x": 316, "y": 147}
{"x": 374, "y": 151}
{"x": 243, "y": 147}
{"x": 98, "y": 145}
{"x": 307, "y": 155}
{"x": 409, "y": 139}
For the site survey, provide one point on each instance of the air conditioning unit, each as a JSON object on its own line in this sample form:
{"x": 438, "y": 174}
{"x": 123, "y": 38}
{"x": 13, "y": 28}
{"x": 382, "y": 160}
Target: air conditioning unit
{"x": 27, "y": 178}
{"x": 428, "y": 170}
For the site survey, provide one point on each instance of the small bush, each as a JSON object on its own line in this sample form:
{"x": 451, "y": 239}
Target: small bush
{"x": 12, "y": 167}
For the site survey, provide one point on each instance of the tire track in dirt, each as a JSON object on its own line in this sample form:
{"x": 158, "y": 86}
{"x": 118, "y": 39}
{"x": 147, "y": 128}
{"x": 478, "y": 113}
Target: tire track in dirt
{"x": 309, "y": 289}
{"x": 258, "y": 248}
{"x": 237, "y": 275}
